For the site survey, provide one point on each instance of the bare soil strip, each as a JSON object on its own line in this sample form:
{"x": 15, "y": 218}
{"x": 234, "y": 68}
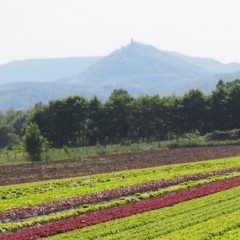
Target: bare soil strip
{"x": 110, "y": 163}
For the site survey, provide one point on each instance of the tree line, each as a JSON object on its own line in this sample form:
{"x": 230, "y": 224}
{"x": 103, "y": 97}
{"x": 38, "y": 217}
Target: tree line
{"x": 77, "y": 121}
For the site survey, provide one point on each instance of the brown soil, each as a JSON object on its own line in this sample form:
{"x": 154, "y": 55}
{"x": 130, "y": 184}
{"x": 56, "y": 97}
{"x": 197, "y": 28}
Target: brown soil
{"x": 110, "y": 163}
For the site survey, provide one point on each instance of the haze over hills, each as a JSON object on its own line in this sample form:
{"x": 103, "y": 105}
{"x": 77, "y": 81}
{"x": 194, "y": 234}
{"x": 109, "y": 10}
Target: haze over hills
{"x": 206, "y": 85}
{"x": 144, "y": 69}
{"x": 141, "y": 69}
{"x": 23, "y": 95}
{"x": 210, "y": 65}
{"x": 137, "y": 68}
{"x": 44, "y": 70}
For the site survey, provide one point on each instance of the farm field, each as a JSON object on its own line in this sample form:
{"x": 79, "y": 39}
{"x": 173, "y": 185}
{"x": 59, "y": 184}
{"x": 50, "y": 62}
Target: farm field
{"x": 210, "y": 217}
{"x": 109, "y": 163}
{"x": 156, "y": 201}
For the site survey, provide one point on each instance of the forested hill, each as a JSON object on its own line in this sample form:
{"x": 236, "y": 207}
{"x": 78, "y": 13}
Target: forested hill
{"x": 142, "y": 63}
{"x": 138, "y": 68}
{"x": 144, "y": 69}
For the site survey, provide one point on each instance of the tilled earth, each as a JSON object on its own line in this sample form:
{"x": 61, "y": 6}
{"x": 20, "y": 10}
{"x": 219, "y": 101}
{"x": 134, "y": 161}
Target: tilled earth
{"x": 109, "y": 163}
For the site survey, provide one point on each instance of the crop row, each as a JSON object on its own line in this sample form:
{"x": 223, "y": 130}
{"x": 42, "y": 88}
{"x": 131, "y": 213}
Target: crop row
{"x": 14, "y": 196}
{"x": 232, "y": 233}
{"x": 38, "y": 193}
{"x": 26, "y": 212}
{"x": 200, "y": 218}
{"x": 120, "y": 212}
{"x": 206, "y": 230}
{"x": 86, "y": 208}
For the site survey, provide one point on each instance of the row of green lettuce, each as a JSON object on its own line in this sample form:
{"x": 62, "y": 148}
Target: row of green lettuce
{"x": 85, "y": 208}
{"x": 209, "y": 217}
{"x": 23, "y": 195}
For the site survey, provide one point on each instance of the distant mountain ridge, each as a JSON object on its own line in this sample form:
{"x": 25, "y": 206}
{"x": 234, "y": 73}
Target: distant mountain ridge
{"x": 144, "y": 69}
{"x": 140, "y": 60}
{"x": 44, "y": 70}
{"x": 137, "y": 68}
{"x": 210, "y": 65}
{"x": 24, "y": 95}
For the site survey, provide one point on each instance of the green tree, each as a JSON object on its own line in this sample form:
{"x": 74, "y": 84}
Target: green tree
{"x": 219, "y": 109}
{"x": 94, "y": 122}
{"x": 16, "y": 119}
{"x": 63, "y": 122}
{"x": 193, "y": 111}
{"x": 220, "y": 84}
{"x": 141, "y": 118}
{"x": 34, "y": 142}
{"x": 7, "y": 136}
{"x": 116, "y": 116}
{"x": 233, "y": 106}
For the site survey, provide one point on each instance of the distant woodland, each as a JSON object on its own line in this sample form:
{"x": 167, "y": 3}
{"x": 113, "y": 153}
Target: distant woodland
{"x": 77, "y": 121}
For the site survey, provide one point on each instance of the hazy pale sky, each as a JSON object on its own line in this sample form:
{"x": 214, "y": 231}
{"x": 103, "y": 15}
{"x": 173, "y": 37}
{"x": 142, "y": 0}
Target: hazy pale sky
{"x": 65, "y": 28}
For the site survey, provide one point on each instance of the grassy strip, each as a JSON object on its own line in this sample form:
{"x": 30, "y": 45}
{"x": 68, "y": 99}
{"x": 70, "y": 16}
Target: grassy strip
{"x": 13, "y": 157}
{"x": 36, "y": 193}
{"x": 114, "y": 203}
{"x": 19, "y": 156}
{"x": 200, "y": 219}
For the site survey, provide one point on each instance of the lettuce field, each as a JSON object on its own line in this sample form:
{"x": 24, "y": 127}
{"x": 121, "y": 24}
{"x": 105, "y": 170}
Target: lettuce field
{"x": 184, "y": 195}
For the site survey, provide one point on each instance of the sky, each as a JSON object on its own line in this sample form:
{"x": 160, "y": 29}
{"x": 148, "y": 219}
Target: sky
{"x": 70, "y": 28}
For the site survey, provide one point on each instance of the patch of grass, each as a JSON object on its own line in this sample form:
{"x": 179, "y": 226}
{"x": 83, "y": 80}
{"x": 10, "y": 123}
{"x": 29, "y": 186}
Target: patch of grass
{"x": 11, "y": 157}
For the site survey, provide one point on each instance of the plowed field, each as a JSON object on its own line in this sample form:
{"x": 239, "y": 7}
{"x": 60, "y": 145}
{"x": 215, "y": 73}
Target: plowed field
{"x": 110, "y": 163}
